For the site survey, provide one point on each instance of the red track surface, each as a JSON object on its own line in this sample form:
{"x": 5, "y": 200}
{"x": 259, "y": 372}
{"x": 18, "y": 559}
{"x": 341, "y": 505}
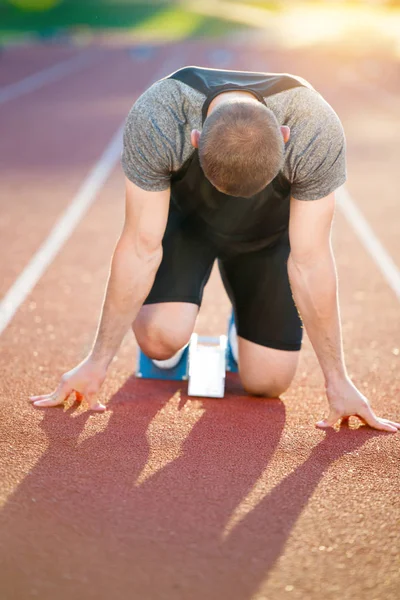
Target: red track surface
{"x": 165, "y": 497}
{"x": 18, "y": 63}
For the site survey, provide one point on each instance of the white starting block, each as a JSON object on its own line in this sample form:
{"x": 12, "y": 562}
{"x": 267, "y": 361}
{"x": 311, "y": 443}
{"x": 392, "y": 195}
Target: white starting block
{"x": 204, "y": 364}
{"x": 207, "y": 366}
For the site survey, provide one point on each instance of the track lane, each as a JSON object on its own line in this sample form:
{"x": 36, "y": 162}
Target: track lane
{"x": 19, "y": 62}
{"x": 45, "y": 77}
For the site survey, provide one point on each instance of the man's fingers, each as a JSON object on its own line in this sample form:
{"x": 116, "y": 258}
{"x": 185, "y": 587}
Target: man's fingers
{"x": 94, "y": 404}
{"x": 42, "y": 403}
{"x": 369, "y": 417}
{"x": 331, "y": 419}
{"x": 61, "y": 394}
{"x": 54, "y": 399}
{"x": 98, "y": 407}
{"x": 387, "y": 425}
{"x": 43, "y": 397}
{"x": 397, "y": 425}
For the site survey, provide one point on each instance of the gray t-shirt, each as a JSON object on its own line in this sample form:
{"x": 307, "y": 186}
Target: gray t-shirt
{"x": 157, "y": 137}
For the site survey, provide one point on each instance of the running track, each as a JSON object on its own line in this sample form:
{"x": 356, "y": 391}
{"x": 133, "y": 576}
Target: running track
{"x": 163, "y": 497}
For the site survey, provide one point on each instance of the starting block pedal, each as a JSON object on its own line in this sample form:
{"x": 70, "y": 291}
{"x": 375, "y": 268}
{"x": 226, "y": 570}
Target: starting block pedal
{"x": 231, "y": 364}
{"x": 204, "y": 363}
{"x": 146, "y": 369}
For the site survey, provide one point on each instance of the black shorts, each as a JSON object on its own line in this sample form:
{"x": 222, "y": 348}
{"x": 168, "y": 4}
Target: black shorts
{"x": 256, "y": 282}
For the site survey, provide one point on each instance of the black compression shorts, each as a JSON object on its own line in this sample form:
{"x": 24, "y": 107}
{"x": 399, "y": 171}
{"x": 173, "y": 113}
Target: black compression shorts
{"x": 256, "y": 282}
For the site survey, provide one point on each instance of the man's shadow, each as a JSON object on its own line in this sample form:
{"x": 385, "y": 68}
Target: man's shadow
{"x": 115, "y": 512}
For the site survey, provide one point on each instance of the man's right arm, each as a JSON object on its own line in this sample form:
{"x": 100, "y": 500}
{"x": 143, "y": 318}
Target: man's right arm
{"x": 134, "y": 264}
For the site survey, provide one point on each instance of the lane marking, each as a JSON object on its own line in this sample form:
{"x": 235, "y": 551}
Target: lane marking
{"x": 69, "y": 220}
{"x": 381, "y": 257}
{"x": 41, "y": 78}
{"x": 60, "y": 232}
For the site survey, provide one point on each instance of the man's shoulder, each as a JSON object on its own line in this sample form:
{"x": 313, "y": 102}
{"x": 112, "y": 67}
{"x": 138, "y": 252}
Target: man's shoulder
{"x": 315, "y": 153}
{"x": 300, "y": 103}
{"x": 159, "y": 93}
{"x": 157, "y": 133}
{"x": 307, "y": 113}
{"x": 166, "y": 93}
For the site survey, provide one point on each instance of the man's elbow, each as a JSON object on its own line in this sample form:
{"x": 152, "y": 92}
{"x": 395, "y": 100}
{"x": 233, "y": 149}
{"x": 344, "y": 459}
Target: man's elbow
{"x": 311, "y": 257}
{"x": 311, "y": 267}
{"x": 146, "y": 248}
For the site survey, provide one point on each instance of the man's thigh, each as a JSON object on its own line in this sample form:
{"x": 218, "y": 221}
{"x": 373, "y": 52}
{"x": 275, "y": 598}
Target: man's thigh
{"x": 268, "y": 324}
{"x": 186, "y": 264}
{"x": 258, "y": 286}
{"x": 266, "y": 371}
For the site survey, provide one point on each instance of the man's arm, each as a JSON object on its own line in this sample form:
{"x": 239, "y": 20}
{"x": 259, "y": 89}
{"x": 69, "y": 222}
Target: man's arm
{"x": 134, "y": 265}
{"x": 313, "y": 279}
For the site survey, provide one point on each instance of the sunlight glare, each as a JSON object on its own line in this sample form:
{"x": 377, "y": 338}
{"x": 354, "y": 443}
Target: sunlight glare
{"x": 167, "y": 433}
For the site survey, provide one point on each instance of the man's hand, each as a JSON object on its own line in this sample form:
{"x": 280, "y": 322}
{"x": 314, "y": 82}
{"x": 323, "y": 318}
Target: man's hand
{"x": 85, "y": 380}
{"x": 345, "y": 401}
{"x": 133, "y": 268}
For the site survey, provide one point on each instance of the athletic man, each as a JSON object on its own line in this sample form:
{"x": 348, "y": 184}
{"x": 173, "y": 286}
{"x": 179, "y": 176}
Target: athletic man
{"x": 239, "y": 167}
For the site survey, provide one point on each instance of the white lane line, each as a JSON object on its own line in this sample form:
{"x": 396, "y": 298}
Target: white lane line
{"x": 382, "y": 258}
{"x": 41, "y": 78}
{"x": 60, "y": 232}
{"x": 68, "y": 221}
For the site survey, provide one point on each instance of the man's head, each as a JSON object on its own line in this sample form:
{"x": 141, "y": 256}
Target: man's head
{"x": 241, "y": 146}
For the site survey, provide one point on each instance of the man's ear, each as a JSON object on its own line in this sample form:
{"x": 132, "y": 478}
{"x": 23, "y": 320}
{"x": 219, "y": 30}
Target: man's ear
{"x": 194, "y": 138}
{"x": 285, "y": 130}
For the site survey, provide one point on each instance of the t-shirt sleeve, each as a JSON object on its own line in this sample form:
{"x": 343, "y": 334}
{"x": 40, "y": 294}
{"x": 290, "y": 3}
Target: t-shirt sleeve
{"x": 146, "y": 155}
{"x": 316, "y": 152}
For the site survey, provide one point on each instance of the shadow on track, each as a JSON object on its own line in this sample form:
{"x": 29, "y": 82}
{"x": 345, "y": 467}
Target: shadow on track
{"x": 81, "y": 525}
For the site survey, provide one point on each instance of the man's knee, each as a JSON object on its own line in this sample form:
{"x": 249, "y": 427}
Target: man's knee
{"x": 267, "y": 388}
{"x": 266, "y": 371}
{"x": 160, "y": 335}
{"x": 161, "y": 343}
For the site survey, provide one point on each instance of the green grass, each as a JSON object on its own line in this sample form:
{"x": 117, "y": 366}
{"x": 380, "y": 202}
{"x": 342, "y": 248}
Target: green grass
{"x": 161, "y": 19}
{"x": 175, "y": 22}
{"x": 271, "y": 5}
{"x": 71, "y": 13}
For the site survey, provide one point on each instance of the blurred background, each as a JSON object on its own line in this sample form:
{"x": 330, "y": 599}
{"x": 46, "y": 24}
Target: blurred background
{"x": 302, "y": 22}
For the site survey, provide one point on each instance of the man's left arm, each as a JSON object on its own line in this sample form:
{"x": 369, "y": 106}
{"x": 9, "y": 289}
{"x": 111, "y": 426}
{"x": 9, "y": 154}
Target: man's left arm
{"x": 313, "y": 279}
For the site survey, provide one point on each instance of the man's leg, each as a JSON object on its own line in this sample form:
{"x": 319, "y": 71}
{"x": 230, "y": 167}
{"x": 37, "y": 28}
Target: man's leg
{"x": 266, "y": 371}
{"x": 269, "y": 327}
{"x": 162, "y": 329}
{"x": 166, "y": 320}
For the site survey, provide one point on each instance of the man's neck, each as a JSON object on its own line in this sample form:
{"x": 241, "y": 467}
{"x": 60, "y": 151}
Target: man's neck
{"x": 231, "y": 96}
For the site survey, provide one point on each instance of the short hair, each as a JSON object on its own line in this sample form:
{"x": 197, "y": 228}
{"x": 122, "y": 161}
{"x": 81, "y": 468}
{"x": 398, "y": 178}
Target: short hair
{"x": 241, "y": 147}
